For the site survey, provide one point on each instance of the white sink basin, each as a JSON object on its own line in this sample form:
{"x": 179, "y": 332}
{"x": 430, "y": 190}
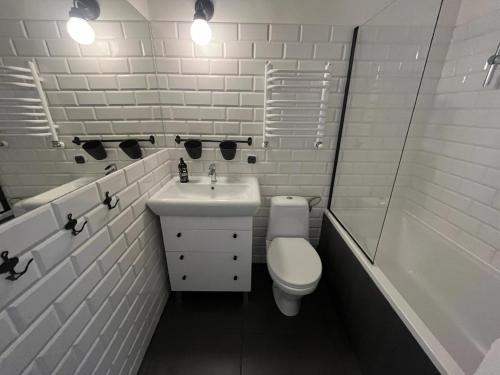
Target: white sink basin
{"x": 229, "y": 196}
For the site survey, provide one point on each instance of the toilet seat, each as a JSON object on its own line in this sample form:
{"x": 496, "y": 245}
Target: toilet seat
{"x": 294, "y": 263}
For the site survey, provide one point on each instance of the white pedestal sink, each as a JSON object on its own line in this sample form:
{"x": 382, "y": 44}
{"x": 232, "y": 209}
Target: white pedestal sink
{"x": 207, "y": 232}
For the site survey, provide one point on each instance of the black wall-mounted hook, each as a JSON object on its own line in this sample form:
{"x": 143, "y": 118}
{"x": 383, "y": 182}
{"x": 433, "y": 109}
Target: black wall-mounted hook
{"x": 9, "y": 264}
{"x": 107, "y": 201}
{"x": 71, "y": 225}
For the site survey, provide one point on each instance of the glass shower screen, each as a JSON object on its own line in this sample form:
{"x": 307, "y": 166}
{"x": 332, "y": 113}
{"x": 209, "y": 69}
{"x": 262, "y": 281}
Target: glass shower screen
{"x": 387, "y": 67}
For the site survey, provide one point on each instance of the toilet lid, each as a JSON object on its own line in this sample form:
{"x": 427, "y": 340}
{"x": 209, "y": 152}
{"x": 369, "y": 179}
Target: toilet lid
{"x": 294, "y": 262}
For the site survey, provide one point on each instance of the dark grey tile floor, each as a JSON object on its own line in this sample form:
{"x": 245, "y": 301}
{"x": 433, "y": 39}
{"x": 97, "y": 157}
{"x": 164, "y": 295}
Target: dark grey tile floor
{"x": 217, "y": 333}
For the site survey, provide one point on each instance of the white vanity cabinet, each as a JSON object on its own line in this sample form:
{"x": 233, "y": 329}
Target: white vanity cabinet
{"x": 208, "y": 253}
{"x": 207, "y": 231}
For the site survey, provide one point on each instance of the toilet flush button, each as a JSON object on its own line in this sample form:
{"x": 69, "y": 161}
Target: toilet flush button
{"x": 289, "y": 197}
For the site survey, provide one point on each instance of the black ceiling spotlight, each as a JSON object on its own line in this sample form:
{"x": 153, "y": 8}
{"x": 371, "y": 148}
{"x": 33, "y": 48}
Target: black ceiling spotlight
{"x": 200, "y": 29}
{"x": 77, "y": 26}
{"x": 203, "y": 9}
{"x": 86, "y": 9}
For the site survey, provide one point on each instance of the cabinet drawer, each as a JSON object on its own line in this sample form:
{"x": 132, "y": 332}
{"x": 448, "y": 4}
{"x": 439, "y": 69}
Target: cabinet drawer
{"x": 237, "y": 222}
{"x": 215, "y": 271}
{"x": 207, "y": 240}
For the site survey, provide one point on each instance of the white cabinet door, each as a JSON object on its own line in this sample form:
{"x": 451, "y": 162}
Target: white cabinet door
{"x": 210, "y": 271}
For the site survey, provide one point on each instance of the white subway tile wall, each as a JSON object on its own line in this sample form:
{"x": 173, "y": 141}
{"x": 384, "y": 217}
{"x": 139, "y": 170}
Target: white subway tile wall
{"x": 86, "y": 304}
{"x": 109, "y": 89}
{"x": 90, "y": 303}
{"x": 452, "y": 162}
{"x": 217, "y": 91}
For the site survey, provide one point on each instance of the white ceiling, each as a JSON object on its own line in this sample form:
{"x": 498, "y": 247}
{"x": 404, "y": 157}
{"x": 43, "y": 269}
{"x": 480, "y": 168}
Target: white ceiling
{"x": 338, "y": 12}
{"x": 58, "y": 10}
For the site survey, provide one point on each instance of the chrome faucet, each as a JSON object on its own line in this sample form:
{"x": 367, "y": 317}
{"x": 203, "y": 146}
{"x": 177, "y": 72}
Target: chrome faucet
{"x": 491, "y": 64}
{"x": 212, "y": 173}
{"x": 110, "y": 169}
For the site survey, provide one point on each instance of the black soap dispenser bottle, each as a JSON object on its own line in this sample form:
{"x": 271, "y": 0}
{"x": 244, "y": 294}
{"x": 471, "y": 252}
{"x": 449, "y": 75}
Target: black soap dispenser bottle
{"x": 183, "y": 171}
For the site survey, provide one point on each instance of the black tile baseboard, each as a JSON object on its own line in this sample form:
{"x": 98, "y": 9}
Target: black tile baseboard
{"x": 380, "y": 340}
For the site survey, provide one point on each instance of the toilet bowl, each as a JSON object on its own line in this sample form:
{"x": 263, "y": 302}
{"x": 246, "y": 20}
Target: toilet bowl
{"x": 295, "y": 268}
{"x": 293, "y": 264}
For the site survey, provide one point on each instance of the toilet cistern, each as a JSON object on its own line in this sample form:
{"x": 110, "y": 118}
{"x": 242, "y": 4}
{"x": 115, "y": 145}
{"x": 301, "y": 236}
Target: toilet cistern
{"x": 212, "y": 173}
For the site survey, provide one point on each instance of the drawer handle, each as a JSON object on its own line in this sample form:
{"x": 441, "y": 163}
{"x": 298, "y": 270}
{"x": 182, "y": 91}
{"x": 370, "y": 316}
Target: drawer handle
{"x": 235, "y": 235}
{"x": 235, "y": 257}
{"x": 184, "y": 277}
{"x": 181, "y": 257}
{"x": 235, "y": 278}
{"x": 179, "y": 234}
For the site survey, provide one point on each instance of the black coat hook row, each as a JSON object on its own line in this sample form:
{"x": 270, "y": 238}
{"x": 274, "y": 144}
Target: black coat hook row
{"x": 9, "y": 264}
{"x": 107, "y": 201}
{"x": 178, "y": 140}
{"x": 71, "y": 225}
{"x": 78, "y": 141}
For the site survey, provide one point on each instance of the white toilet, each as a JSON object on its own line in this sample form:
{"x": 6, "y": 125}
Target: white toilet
{"x": 294, "y": 265}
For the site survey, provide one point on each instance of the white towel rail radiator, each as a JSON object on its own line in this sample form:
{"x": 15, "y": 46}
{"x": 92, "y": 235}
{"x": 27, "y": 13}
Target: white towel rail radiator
{"x": 24, "y": 109}
{"x": 296, "y": 103}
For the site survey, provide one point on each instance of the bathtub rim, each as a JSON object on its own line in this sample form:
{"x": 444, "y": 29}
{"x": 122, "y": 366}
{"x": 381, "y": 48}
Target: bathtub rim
{"x": 436, "y": 352}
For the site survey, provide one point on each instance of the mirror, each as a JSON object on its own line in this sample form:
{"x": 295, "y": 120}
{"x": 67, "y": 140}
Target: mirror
{"x": 106, "y": 90}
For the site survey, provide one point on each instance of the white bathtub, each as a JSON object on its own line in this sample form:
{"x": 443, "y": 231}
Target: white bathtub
{"x": 448, "y": 299}
{"x": 455, "y": 294}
